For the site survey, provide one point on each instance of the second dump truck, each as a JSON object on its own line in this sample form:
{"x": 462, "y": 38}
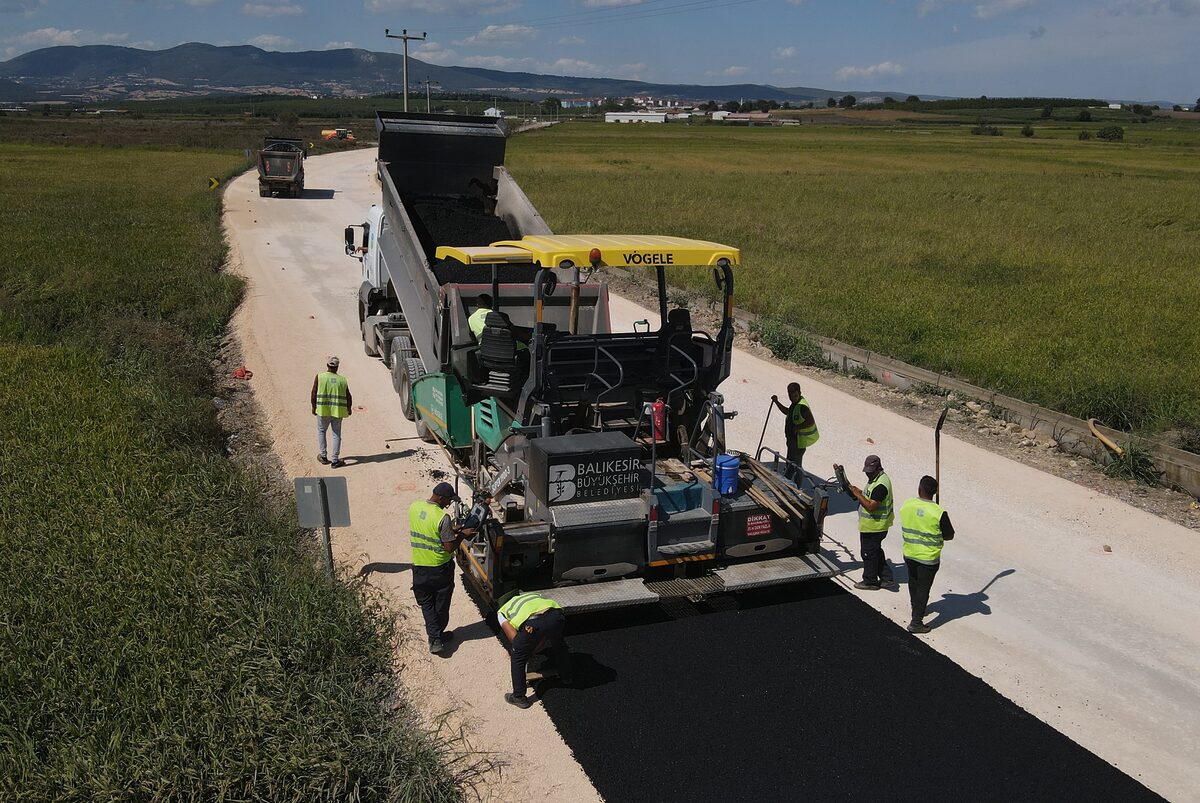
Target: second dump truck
{"x": 590, "y": 453}
{"x": 281, "y": 167}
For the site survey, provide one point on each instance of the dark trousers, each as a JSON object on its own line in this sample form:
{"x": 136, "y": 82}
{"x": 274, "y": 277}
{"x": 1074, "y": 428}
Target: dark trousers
{"x": 433, "y": 587}
{"x": 875, "y": 565}
{"x": 548, "y": 627}
{"x": 794, "y": 455}
{"x": 920, "y": 580}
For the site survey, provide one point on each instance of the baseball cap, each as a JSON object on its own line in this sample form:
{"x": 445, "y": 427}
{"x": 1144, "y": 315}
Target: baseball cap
{"x": 872, "y": 463}
{"x": 333, "y": 362}
{"x": 444, "y": 490}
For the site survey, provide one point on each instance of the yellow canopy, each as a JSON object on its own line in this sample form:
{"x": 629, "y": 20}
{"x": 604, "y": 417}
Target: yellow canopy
{"x": 617, "y": 250}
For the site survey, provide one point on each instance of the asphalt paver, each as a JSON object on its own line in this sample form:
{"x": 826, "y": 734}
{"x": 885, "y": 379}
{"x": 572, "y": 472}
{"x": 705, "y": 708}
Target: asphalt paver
{"x": 801, "y": 692}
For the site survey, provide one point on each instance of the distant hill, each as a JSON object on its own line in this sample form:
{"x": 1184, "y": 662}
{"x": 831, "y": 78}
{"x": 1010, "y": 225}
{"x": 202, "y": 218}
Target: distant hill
{"x": 105, "y": 72}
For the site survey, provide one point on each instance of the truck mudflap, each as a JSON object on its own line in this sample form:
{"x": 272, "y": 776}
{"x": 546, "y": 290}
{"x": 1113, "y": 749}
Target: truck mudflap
{"x": 742, "y": 577}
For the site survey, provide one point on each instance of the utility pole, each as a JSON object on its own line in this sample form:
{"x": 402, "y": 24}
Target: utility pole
{"x": 405, "y": 37}
{"x": 426, "y": 83}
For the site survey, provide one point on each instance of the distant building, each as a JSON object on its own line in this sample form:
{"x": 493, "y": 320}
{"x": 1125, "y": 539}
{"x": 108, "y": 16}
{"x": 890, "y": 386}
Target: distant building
{"x": 581, "y": 103}
{"x": 751, "y": 118}
{"x": 1114, "y": 106}
{"x": 719, "y": 116}
{"x": 493, "y": 112}
{"x": 635, "y": 117}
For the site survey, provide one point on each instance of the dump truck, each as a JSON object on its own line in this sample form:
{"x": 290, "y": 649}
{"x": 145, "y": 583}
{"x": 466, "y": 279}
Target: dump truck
{"x": 589, "y": 455}
{"x": 281, "y": 167}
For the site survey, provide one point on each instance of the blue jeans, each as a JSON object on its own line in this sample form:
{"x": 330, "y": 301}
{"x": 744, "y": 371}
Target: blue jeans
{"x": 328, "y": 422}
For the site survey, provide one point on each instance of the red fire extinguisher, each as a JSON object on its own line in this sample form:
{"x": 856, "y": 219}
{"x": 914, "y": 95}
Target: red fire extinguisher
{"x": 659, "y": 414}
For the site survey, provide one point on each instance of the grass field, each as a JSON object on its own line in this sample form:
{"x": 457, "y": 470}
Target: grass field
{"x": 1055, "y": 270}
{"x": 162, "y": 634}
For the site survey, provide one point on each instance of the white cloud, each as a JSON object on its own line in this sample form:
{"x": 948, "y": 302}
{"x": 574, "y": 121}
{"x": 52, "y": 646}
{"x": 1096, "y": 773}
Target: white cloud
{"x": 501, "y": 35}
{"x": 272, "y": 8}
{"x": 869, "y": 73}
{"x": 634, "y": 72}
{"x": 572, "y": 40}
{"x": 996, "y": 8}
{"x": 434, "y": 53}
{"x": 25, "y": 7}
{"x": 338, "y": 45}
{"x": 734, "y": 70}
{"x": 984, "y": 11}
{"x": 270, "y": 41}
{"x": 52, "y": 37}
{"x": 1182, "y": 8}
{"x": 456, "y": 7}
{"x": 781, "y": 53}
{"x": 576, "y": 67}
{"x": 501, "y": 63}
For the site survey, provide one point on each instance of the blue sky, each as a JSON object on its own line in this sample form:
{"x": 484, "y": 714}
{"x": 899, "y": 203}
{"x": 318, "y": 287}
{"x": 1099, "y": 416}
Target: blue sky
{"x": 1129, "y": 49}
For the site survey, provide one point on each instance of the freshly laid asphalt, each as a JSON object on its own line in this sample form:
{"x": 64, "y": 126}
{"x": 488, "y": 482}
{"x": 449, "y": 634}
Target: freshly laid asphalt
{"x": 802, "y": 692}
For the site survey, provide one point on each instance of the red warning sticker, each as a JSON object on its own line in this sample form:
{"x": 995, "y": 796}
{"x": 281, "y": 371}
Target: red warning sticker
{"x": 759, "y": 524}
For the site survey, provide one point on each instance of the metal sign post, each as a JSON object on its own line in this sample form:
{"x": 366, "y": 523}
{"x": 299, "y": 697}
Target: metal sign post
{"x": 323, "y": 502}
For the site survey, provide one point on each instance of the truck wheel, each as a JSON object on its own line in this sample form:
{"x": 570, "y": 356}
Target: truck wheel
{"x": 401, "y": 351}
{"x": 402, "y": 385}
{"x": 414, "y": 369}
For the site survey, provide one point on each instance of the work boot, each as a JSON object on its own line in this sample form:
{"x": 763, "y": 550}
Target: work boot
{"x": 520, "y": 702}
{"x": 889, "y": 584}
{"x": 337, "y": 464}
{"x": 865, "y": 586}
{"x": 436, "y": 646}
{"x": 322, "y": 459}
{"x": 447, "y": 635}
{"x": 917, "y": 627}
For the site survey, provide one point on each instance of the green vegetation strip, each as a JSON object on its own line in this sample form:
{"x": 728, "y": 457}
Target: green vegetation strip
{"x": 1051, "y": 269}
{"x": 162, "y": 635}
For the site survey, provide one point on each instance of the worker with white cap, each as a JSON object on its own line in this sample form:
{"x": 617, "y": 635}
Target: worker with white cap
{"x": 331, "y": 402}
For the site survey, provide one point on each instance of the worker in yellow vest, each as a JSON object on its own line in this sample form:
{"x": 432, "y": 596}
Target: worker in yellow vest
{"x": 799, "y": 429}
{"x": 477, "y": 321}
{"x": 434, "y": 538}
{"x": 533, "y": 622}
{"x": 926, "y": 527}
{"x": 875, "y": 517}
{"x": 331, "y": 402}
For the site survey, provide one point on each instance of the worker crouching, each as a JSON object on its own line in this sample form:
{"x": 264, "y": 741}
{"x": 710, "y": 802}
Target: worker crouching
{"x": 532, "y": 623}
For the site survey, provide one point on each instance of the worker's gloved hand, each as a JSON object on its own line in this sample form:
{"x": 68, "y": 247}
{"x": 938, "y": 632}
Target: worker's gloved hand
{"x": 774, "y": 398}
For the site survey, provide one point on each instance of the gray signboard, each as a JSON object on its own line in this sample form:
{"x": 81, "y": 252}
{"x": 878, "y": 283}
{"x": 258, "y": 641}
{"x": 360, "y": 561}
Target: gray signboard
{"x": 312, "y": 501}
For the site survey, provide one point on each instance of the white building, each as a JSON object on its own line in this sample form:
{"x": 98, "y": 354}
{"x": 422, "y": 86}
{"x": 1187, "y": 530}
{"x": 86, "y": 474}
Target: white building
{"x": 720, "y": 115}
{"x": 493, "y": 112}
{"x": 635, "y": 117}
{"x": 1114, "y": 106}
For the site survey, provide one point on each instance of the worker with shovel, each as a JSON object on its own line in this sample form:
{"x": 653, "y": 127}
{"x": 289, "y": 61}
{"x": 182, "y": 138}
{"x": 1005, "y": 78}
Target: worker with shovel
{"x": 800, "y": 430}
{"x": 875, "y": 517}
{"x": 531, "y": 623}
{"x": 926, "y": 527}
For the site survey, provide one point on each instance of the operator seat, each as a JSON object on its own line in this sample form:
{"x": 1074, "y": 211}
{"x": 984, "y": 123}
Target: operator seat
{"x": 677, "y": 331}
{"x": 498, "y": 357}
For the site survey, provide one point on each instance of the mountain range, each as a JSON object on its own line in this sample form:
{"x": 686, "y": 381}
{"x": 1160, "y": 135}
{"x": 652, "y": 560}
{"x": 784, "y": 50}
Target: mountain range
{"x": 97, "y": 73}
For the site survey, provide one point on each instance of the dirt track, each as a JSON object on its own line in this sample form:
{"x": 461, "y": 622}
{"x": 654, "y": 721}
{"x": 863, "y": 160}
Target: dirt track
{"x": 1101, "y": 645}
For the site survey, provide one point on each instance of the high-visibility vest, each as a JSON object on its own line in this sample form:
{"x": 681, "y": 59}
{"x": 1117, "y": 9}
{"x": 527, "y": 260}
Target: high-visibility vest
{"x": 881, "y": 519}
{"x": 332, "y": 395}
{"x": 477, "y": 321}
{"x": 921, "y": 522}
{"x": 806, "y": 436}
{"x": 424, "y": 519}
{"x": 523, "y": 606}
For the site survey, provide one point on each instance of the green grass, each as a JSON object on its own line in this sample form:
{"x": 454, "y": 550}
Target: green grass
{"x": 163, "y": 635}
{"x": 1051, "y": 269}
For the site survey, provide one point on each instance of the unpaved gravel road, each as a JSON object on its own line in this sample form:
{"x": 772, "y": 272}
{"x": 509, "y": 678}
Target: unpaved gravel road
{"x": 1103, "y": 645}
